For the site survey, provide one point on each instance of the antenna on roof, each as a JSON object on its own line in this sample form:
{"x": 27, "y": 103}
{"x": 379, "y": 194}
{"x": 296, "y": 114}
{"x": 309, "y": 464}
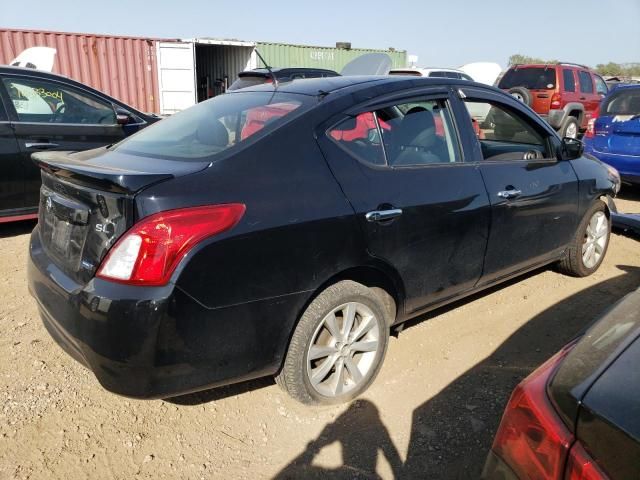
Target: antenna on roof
{"x": 266, "y": 65}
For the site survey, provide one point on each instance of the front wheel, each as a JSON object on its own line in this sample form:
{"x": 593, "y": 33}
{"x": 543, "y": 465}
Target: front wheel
{"x": 337, "y": 347}
{"x": 588, "y": 248}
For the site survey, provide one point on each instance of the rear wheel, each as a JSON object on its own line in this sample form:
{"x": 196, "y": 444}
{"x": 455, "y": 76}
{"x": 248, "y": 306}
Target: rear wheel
{"x": 570, "y": 128}
{"x": 588, "y": 248}
{"x": 337, "y": 347}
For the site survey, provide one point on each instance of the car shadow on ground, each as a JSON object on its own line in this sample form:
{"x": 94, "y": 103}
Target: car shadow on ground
{"x": 13, "y": 229}
{"x": 214, "y": 394}
{"x": 451, "y": 433}
{"x": 629, "y": 192}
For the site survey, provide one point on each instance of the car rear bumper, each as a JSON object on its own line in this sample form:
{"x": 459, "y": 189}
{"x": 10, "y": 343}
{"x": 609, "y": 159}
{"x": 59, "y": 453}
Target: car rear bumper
{"x": 157, "y": 342}
{"x": 627, "y": 165}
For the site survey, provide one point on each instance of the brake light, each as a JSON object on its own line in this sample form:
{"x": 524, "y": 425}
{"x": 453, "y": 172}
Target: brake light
{"x": 581, "y": 466}
{"x": 150, "y": 251}
{"x": 591, "y": 125}
{"x": 556, "y": 100}
{"x": 532, "y": 438}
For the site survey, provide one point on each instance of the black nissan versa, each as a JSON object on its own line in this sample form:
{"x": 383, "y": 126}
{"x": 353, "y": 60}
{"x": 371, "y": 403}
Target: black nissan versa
{"x": 44, "y": 111}
{"x": 284, "y": 230}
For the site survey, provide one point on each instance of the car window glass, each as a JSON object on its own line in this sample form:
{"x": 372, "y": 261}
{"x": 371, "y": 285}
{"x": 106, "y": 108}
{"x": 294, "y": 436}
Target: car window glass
{"x": 210, "y": 127}
{"x": 601, "y": 86}
{"x": 569, "y": 80}
{"x": 623, "y": 102}
{"x": 359, "y": 136}
{"x": 533, "y": 78}
{"x": 38, "y": 100}
{"x": 505, "y": 135}
{"x": 586, "y": 85}
{"x": 464, "y": 76}
{"x": 419, "y": 133}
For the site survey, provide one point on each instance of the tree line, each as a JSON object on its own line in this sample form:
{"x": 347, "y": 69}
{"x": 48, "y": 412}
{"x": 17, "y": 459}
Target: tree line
{"x": 610, "y": 69}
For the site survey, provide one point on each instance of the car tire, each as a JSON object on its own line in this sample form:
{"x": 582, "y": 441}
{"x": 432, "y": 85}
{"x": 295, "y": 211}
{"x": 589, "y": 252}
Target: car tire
{"x": 592, "y": 236}
{"x": 324, "y": 364}
{"x": 522, "y": 94}
{"x": 570, "y": 128}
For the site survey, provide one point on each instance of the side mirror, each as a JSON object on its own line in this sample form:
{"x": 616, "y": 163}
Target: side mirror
{"x": 571, "y": 148}
{"x": 122, "y": 116}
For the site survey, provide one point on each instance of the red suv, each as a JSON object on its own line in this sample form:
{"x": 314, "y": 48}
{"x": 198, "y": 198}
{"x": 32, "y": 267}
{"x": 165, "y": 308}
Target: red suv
{"x": 566, "y": 95}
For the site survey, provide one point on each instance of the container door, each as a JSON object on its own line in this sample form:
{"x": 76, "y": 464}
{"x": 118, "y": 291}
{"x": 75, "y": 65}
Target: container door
{"x": 176, "y": 76}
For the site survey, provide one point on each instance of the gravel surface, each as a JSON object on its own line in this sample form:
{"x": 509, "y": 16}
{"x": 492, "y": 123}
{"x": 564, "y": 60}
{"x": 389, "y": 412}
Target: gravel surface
{"x": 431, "y": 413}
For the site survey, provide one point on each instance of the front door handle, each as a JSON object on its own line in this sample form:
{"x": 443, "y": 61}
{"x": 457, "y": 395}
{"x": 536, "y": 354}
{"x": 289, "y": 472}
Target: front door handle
{"x": 382, "y": 215}
{"x": 40, "y": 145}
{"x": 511, "y": 193}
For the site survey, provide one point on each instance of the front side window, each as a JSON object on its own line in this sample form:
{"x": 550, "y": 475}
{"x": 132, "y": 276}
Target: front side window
{"x": 215, "y": 125}
{"x": 408, "y": 134}
{"x": 504, "y": 134}
{"x": 42, "y": 101}
{"x": 586, "y": 85}
{"x": 601, "y": 86}
{"x": 569, "y": 80}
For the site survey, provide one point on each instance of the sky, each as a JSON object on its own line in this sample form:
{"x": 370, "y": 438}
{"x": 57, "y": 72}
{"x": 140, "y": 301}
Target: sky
{"x": 442, "y": 33}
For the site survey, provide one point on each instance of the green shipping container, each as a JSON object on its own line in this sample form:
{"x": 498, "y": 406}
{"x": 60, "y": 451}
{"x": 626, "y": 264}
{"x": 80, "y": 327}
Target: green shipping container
{"x": 286, "y": 55}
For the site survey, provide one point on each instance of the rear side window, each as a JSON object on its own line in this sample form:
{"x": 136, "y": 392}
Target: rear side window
{"x": 586, "y": 85}
{"x": 533, "y": 78}
{"x": 215, "y": 125}
{"x": 42, "y": 101}
{"x": 444, "y": 74}
{"x": 409, "y": 134}
{"x": 569, "y": 80}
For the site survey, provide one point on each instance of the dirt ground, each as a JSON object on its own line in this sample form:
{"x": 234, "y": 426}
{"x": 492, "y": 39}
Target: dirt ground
{"x": 431, "y": 413}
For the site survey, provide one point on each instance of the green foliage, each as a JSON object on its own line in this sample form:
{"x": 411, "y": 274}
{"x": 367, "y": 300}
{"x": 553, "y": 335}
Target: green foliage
{"x": 523, "y": 59}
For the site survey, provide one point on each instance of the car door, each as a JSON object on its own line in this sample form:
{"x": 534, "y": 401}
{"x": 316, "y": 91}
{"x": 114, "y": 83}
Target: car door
{"x": 47, "y": 114}
{"x": 533, "y": 195}
{"x": 11, "y": 174}
{"x": 588, "y": 96}
{"x": 423, "y": 210}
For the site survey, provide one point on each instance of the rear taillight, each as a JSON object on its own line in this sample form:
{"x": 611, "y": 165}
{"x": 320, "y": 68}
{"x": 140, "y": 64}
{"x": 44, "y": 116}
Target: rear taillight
{"x": 531, "y": 438}
{"x": 581, "y": 466}
{"x": 556, "y": 101}
{"x": 591, "y": 125}
{"x": 150, "y": 251}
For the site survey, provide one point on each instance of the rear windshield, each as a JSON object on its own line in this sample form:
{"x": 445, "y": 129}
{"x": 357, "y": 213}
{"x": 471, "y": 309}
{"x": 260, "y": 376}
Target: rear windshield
{"x": 533, "y": 78}
{"x": 249, "y": 81}
{"x": 214, "y": 126}
{"x": 623, "y": 103}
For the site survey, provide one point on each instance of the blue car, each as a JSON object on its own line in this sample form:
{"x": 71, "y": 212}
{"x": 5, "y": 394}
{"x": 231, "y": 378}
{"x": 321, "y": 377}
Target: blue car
{"x": 614, "y": 136}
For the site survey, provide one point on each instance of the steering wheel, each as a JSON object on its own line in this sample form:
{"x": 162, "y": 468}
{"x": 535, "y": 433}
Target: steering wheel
{"x": 59, "y": 111}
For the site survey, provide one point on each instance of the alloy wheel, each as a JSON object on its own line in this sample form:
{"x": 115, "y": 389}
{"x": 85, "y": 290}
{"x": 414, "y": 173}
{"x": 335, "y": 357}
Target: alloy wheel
{"x": 595, "y": 239}
{"x": 343, "y": 349}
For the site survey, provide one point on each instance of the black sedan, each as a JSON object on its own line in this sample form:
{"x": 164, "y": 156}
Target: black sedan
{"x": 43, "y": 111}
{"x": 578, "y": 416}
{"x": 285, "y": 230}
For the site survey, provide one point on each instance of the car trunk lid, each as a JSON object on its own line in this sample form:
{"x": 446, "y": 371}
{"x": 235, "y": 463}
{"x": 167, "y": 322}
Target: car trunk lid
{"x": 87, "y": 202}
{"x": 618, "y": 134}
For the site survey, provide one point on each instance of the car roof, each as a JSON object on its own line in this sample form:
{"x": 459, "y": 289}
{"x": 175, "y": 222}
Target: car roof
{"x": 322, "y": 86}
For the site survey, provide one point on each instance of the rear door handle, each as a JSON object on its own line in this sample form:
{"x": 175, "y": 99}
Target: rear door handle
{"x": 40, "y": 145}
{"x": 382, "y": 215}
{"x": 512, "y": 193}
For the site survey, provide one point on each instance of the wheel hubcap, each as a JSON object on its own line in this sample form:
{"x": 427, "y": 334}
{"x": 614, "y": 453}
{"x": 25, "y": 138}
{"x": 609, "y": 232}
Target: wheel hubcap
{"x": 518, "y": 96}
{"x": 343, "y": 349}
{"x": 595, "y": 239}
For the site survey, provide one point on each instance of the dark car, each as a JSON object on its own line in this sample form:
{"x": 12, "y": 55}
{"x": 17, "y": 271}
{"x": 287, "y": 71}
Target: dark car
{"x": 259, "y": 233}
{"x": 258, "y": 76}
{"x": 566, "y": 95}
{"x": 613, "y": 135}
{"x": 578, "y": 415}
{"x": 43, "y": 111}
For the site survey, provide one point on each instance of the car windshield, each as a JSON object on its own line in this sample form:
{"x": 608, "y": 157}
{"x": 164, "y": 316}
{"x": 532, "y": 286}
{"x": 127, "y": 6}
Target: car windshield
{"x": 623, "y": 102}
{"x": 211, "y": 127}
{"x": 533, "y": 78}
